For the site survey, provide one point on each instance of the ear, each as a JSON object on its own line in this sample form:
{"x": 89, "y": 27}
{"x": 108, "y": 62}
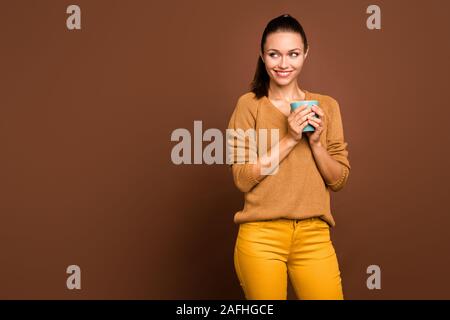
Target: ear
{"x": 306, "y": 53}
{"x": 260, "y": 54}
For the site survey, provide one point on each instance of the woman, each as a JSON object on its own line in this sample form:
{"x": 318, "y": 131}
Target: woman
{"x": 284, "y": 227}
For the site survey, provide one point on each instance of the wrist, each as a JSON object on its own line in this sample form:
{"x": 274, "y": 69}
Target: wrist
{"x": 316, "y": 145}
{"x": 290, "y": 140}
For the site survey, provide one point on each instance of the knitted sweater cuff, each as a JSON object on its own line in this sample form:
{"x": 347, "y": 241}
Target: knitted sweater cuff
{"x": 335, "y": 186}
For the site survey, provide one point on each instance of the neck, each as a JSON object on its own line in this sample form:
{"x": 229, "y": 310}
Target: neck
{"x": 288, "y": 93}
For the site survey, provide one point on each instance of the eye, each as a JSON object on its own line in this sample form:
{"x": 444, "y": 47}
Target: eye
{"x": 294, "y": 54}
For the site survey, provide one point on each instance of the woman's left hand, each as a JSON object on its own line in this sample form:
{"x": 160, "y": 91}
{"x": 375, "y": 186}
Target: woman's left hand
{"x": 317, "y": 123}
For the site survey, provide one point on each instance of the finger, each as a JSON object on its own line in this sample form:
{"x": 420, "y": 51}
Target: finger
{"x": 294, "y": 124}
{"x": 304, "y": 116}
{"x": 296, "y": 112}
{"x": 302, "y": 113}
{"x": 314, "y": 124}
{"x": 299, "y": 109}
{"x": 302, "y": 122}
{"x": 300, "y": 119}
{"x": 298, "y": 123}
{"x": 291, "y": 116}
{"x": 318, "y": 120}
{"x": 306, "y": 110}
{"x": 318, "y": 110}
{"x": 311, "y": 122}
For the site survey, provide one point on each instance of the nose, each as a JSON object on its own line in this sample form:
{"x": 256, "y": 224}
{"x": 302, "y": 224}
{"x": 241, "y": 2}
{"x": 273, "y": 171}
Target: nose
{"x": 283, "y": 63}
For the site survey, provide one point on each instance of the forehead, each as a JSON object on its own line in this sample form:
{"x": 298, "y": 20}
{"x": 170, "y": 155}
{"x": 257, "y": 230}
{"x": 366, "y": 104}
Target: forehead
{"x": 283, "y": 41}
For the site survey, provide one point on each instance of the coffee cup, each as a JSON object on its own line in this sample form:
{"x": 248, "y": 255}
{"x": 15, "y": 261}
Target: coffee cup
{"x": 309, "y": 104}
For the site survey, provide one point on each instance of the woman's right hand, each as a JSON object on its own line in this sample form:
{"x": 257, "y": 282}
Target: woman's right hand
{"x": 297, "y": 121}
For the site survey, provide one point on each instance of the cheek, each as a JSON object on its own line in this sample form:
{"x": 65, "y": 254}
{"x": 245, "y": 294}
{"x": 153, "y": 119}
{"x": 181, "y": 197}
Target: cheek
{"x": 298, "y": 63}
{"x": 295, "y": 63}
{"x": 270, "y": 63}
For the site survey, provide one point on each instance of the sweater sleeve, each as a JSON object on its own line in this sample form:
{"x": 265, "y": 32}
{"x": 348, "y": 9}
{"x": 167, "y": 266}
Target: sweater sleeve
{"x": 241, "y": 143}
{"x": 337, "y": 147}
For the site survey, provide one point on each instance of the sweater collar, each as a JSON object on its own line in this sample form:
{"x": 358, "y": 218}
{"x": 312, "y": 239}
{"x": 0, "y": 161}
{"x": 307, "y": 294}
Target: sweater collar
{"x": 270, "y": 104}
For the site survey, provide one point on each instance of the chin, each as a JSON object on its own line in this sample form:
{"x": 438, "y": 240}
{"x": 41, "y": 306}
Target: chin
{"x": 284, "y": 82}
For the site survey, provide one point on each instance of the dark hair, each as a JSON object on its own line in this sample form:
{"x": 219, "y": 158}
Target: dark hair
{"x": 285, "y": 22}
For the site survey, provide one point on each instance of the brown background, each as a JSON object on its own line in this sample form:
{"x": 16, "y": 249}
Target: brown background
{"x": 86, "y": 116}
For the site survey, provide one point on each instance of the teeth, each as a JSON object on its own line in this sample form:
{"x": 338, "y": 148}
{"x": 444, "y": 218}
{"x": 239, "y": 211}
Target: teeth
{"x": 283, "y": 73}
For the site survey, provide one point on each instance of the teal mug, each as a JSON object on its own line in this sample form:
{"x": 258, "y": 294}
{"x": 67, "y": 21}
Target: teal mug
{"x": 309, "y": 104}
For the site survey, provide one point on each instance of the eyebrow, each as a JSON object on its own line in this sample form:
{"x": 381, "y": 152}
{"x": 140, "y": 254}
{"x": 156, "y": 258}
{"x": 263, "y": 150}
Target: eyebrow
{"x": 288, "y": 51}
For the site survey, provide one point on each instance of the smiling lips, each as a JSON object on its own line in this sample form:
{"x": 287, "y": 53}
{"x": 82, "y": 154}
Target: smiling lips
{"x": 283, "y": 74}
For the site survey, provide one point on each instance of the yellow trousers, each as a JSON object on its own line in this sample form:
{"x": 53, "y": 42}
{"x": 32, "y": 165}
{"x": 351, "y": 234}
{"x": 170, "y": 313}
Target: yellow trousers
{"x": 267, "y": 252}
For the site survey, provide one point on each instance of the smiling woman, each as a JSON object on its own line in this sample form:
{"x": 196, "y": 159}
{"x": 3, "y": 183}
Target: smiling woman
{"x": 282, "y": 54}
{"x": 283, "y": 63}
{"x": 284, "y": 227}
